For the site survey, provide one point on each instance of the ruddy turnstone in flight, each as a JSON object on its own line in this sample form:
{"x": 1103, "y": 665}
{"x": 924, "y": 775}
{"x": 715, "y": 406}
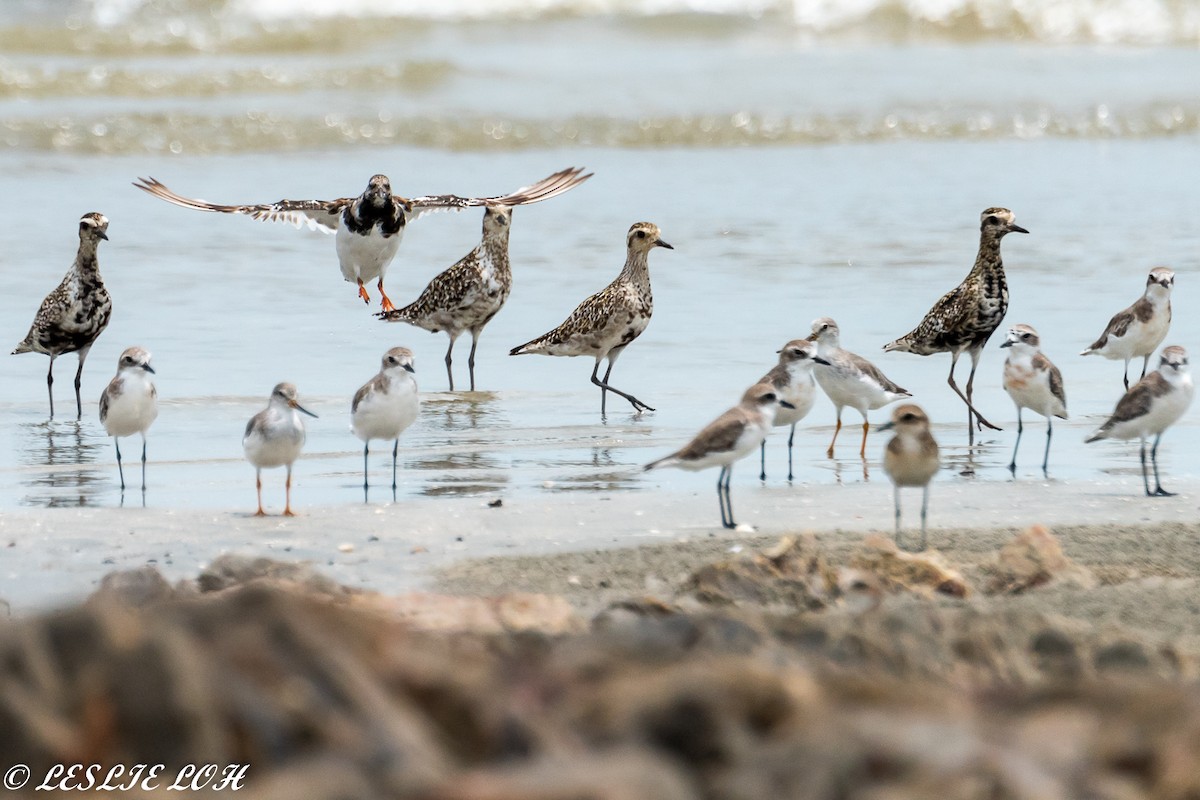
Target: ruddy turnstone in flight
{"x": 129, "y": 404}
{"x": 386, "y": 405}
{"x": 964, "y": 318}
{"x": 910, "y": 459}
{"x": 850, "y": 380}
{"x": 74, "y": 315}
{"x": 1141, "y": 328}
{"x": 1150, "y": 407}
{"x": 369, "y": 227}
{"x": 467, "y": 295}
{"x": 1034, "y": 383}
{"x": 603, "y": 325}
{"x": 274, "y": 438}
{"x": 792, "y": 378}
{"x": 731, "y": 436}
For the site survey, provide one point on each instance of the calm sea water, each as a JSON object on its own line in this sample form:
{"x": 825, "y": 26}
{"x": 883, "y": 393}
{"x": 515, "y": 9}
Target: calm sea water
{"x": 804, "y": 161}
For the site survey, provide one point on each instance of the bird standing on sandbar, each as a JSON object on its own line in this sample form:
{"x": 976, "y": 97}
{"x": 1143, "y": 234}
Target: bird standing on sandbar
{"x": 1034, "y": 383}
{"x": 74, "y": 315}
{"x": 1141, "y": 328}
{"x": 466, "y": 296}
{"x": 129, "y": 404}
{"x": 603, "y": 325}
{"x": 850, "y": 380}
{"x": 731, "y": 436}
{"x": 1154, "y": 404}
{"x": 964, "y": 318}
{"x": 274, "y": 438}
{"x": 386, "y": 405}
{"x": 369, "y": 227}
{"x": 792, "y": 378}
{"x": 910, "y": 458}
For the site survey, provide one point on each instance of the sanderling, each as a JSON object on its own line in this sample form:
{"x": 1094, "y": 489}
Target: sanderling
{"x": 850, "y": 380}
{"x": 1034, "y": 383}
{"x": 129, "y": 404}
{"x": 728, "y": 438}
{"x": 369, "y": 227}
{"x": 603, "y": 325}
{"x": 274, "y": 438}
{"x": 966, "y": 316}
{"x": 74, "y": 315}
{"x": 911, "y": 458}
{"x": 1150, "y": 407}
{"x": 792, "y": 378}
{"x": 467, "y": 295}
{"x": 1141, "y": 328}
{"x": 386, "y": 405}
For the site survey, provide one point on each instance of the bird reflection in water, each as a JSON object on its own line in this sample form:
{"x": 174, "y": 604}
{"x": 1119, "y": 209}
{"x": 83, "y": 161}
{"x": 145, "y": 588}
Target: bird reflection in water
{"x": 62, "y": 456}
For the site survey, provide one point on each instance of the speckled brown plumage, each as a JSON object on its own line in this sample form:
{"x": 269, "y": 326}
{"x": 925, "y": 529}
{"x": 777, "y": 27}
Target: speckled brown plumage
{"x": 74, "y": 315}
{"x": 466, "y": 296}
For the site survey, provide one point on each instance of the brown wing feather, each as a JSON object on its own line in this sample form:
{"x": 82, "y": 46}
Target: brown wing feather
{"x": 873, "y": 372}
{"x": 718, "y": 436}
{"x": 375, "y": 383}
{"x": 1138, "y": 399}
{"x": 1040, "y": 362}
{"x": 316, "y": 214}
{"x": 550, "y": 186}
{"x": 777, "y": 377}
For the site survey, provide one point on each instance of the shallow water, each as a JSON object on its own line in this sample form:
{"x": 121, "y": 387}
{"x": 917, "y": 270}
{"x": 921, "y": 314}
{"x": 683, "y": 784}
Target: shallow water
{"x": 798, "y": 172}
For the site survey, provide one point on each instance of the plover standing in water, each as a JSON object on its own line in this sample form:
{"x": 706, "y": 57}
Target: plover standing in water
{"x": 731, "y": 436}
{"x": 274, "y": 438}
{"x": 74, "y": 315}
{"x": 603, "y": 325}
{"x": 369, "y": 227}
{"x": 1150, "y": 407}
{"x": 129, "y": 404}
{"x": 911, "y": 458}
{"x": 386, "y": 405}
{"x": 1141, "y": 328}
{"x": 850, "y": 380}
{"x": 467, "y": 295}
{"x": 964, "y": 318}
{"x": 1034, "y": 383}
{"x": 792, "y": 378}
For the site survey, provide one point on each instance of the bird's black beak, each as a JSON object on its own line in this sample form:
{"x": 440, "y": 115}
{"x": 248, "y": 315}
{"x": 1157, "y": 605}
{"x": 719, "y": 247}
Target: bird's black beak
{"x": 409, "y": 367}
{"x": 661, "y": 243}
{"x": 821, "y": 361}
{"x": 148, "y": 368}
{"x": 301, "y": 409}
{"x": 786, "y": 404}
{"x": 1007, "y": 343}
{"x": 1015, "y": 228}
{"x": 104, "y": 236}
{"x": 887, "y": 426}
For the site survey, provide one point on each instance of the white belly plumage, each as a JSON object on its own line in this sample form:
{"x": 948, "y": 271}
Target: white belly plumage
{"x": 367, "y": 257}
{"x": 385, "y": 416}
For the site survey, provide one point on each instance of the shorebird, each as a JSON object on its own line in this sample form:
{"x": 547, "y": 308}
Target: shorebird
{"x": 911, "y": 458}
{"x": 129, "y": 404}
{"x": 274, "y": 438}
{"x": 603, "y": 325}
{"x": 1034, "y": 383}
{"x": 1141, "y": 328}
{"x": 386, "y": 405}
{"x": 74, "y": 315}
{"x": 1150, "y": 407}
{"x": 792, "y": 378}
{"x": 467, "y": 295}
{"x": 369, "y": 227}
{"x": 966, "y": 317}
{"x": 850, "y": 380}
{"x": 731, "y": 436}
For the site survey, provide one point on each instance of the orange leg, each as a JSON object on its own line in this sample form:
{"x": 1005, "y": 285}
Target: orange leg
{"x": 836, "y": 431}
{"x": 385, "y": 303}
{"x": 362, "y": 292}
{"x": 862, "y": 451}
{"x": 287, "y": 506}
{"x": 258, "y": 485}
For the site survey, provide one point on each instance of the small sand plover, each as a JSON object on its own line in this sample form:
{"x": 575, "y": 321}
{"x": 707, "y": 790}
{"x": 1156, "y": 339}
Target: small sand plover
{"x": 274, "y": 438}
{"x": 603, "y": 325}
{"x": 850, "y": 380}
{"x": 386, "y": 405}
{"x": 467, "y": 295}
{"x": 792, "y": 378}
{"x": 1034, "y": 383}
{"x": 369, "y": 227}
{"x": 1150, "y": 407}
{"x": 129, "y": 404}
{"x": 964, "y": 318}
{"x": 74, "y": 315}
{"x": 730, "y": 437}
{"x": 1141, "y": 328}
{"x": 911, "y": 458}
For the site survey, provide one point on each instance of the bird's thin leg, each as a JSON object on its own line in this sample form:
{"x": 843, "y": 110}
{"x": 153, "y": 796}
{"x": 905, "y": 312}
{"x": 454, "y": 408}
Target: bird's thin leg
{"x": 721, "y": 498}
{"x": 791, "y": 438}
{"x": 1158, "y": 490}
{"x": 1145, "y": 364}
{"x": 1127, "y": 374}
{"x": 287, "y": 504}
{"x": 1145, "y": 478}
{"x": 836, "y": 431}
{"x": 728, "y": 499}
{"x": 924, "y": 511}
{"x": 50, "y": 385}
{"x": 143, "y": 463}
{"x": 471, "y": 357}
{"x": 449, "y": 361}
{"x": 896, "y": 513}
{"x": 366, "y": 483}
{"x": 1012, "y": 465}
{"x": 638, "y": 405}
{"x": 979, "y": 420}
{"x": 258, "y": 486}
{"x": 1046, "y": 455}
{"x": 970, "y": 408}
{"x": 120, "y": 469}
{"x": 78, "y": 382}
{"x": 363, "y": 293}
{"x": 862, "y": 451}
{"x": 762, "y": 449}
{"x": 395, "y": 452}
{"x": 385, "y": 303}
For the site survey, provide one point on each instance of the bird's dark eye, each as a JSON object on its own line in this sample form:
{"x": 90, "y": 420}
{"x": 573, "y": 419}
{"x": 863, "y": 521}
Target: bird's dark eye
{"x": 993, "y": 221}
{"x": 908, "y": 417}
{"x": 641, "y": 234}
{"x": 1025, "y": 335}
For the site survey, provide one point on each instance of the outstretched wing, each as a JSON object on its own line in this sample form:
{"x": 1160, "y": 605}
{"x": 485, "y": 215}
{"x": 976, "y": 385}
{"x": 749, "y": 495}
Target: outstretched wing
{"x": 550, "y": 186}
{"x": 319, "y": 215}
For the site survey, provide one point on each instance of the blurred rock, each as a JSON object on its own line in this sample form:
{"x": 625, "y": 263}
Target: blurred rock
{"x": 1032, "y": 559}
{"x": 517, "y": 611}
{"x": 232, "y": 569}
{"x": 620, "y": 775}
{"x": 791, "y": 575}
{"x": 134, "y": 587}
{"x": 926, "y": 573}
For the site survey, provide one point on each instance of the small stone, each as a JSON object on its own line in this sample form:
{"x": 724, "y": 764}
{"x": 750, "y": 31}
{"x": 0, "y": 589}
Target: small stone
{"x": 496, "y": 503}
{"x": 346, "y": 547}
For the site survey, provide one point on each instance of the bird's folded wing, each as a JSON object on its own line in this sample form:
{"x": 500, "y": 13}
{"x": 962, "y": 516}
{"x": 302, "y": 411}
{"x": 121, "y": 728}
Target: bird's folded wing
{"x": 550, "y": 186}
{"x": 719, "y": 436}
{"x": 319, "y": 215}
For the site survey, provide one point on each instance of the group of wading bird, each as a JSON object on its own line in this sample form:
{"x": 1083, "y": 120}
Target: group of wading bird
{"x": 465, "y": 297}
